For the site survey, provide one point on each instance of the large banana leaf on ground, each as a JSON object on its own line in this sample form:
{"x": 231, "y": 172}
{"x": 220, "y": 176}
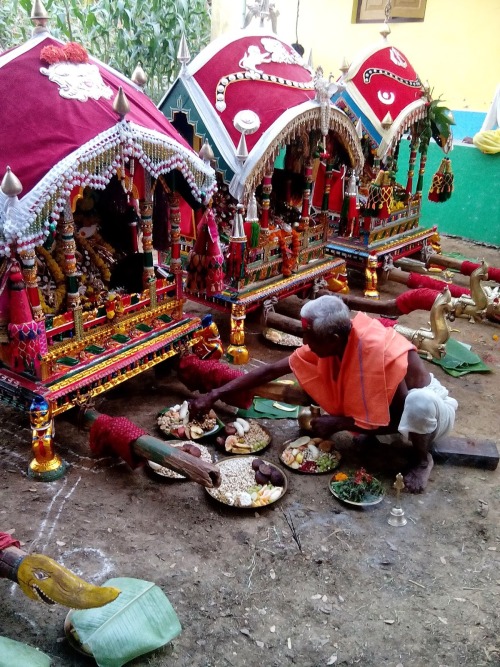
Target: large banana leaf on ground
{"x": 16, "y": 654}
{"x": 140, "y": 620}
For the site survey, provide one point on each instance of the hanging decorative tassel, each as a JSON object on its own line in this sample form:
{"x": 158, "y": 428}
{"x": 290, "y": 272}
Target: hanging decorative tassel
{"x": 204, "y": 267}
{"x": 448, "y": 178}
{"x": 386, "y": 192}
{"x": 437, "y": 183}
{"x": 374, "y": 201}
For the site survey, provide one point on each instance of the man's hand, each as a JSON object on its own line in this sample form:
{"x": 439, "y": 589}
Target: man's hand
{"x": 200, "y": 406}
{"x": 326, "y": 425}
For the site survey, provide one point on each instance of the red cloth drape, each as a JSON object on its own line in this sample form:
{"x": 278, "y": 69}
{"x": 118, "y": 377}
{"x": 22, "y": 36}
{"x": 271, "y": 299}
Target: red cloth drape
{"x": 208, "y": 374}
{"x": 387, "y": 322}
{"x": 6, "y": 540}
{"x": 418, "y": 280}
{"x": 466, "y": 268}
{"x": 116, "y": 435}
{"x": 417, "y": 299}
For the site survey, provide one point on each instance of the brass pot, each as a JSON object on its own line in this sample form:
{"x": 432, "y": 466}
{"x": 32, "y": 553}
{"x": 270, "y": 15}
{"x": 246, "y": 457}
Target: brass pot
{"x": 306, "y": 415}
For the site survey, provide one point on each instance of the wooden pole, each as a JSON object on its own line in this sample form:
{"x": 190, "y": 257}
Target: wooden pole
{"x": 285, "y": 393}
{"x": 158, "y": 451}
{"x": 283, "y": 323}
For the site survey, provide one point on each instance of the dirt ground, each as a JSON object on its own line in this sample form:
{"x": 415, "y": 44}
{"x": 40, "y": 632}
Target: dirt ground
{"x": 349, "y": 590}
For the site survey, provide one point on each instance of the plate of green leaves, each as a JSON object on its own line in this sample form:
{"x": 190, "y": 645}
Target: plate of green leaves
{"x": 358, "y": 488}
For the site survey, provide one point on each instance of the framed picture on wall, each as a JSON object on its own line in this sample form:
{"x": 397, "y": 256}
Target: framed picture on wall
{"x": 366, "y": 11}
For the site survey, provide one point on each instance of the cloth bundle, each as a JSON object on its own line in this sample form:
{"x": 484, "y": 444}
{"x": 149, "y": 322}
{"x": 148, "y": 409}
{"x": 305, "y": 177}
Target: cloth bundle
{"x": 208, "y": 374}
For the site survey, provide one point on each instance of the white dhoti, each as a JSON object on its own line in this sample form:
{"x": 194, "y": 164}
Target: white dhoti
{"x": 427, "y": 410}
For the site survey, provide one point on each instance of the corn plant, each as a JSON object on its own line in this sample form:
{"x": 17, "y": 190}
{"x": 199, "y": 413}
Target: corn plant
{"x": 121, "y": 33}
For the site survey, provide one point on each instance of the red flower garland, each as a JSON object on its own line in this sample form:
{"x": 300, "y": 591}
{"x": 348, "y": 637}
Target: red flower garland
{"x": 70, "y": 52}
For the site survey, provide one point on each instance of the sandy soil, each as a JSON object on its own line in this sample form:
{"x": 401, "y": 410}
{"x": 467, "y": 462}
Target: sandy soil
{"x": 343, "y": 587}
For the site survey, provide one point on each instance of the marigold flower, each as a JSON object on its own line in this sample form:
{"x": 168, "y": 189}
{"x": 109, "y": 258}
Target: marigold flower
{"x": 341, "y": 477}
{"x": 52, "y": 54}
{"x": 75, "y": 53}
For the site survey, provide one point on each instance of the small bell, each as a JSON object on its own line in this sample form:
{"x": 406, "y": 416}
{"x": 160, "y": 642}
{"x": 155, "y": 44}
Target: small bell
{"x": 397, "y": 517}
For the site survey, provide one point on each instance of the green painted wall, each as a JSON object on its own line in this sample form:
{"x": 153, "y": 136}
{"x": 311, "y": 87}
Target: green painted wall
{"x": 473, "y": 211}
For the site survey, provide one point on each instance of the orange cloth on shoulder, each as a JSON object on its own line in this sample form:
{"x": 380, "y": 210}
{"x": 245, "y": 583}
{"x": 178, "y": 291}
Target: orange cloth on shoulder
{"x": 362, "y": 384}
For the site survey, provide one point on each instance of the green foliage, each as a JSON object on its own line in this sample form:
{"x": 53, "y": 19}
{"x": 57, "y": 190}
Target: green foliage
{"x": 437, "y": 125}
{"x": 121, "y": 33}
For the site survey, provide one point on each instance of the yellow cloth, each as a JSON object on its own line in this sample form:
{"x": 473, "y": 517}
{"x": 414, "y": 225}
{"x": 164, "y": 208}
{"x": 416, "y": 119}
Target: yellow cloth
{"x": 488, "y": 141}
{"x": 362, "y": 384}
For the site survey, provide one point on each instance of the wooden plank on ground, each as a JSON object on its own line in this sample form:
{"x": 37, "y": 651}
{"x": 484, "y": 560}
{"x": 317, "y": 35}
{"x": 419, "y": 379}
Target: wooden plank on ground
{"x": 466, "y": 451}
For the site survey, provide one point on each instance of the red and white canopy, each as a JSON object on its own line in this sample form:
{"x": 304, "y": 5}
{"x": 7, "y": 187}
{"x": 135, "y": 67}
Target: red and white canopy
{"x": 59, "y": 131}
{"x": 383, "y": 89}
{"x": 255, "y": 84}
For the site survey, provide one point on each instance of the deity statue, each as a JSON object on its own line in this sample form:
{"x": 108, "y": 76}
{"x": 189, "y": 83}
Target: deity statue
{"x": 371, "y": 278}
{"x": 46, "y": 465}
{"x": 210, "y": 345}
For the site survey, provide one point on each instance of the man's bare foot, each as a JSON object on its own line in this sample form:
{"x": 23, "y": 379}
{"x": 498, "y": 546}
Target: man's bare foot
{"x": 416, "y": 480}
{"x": 360, "y": 439}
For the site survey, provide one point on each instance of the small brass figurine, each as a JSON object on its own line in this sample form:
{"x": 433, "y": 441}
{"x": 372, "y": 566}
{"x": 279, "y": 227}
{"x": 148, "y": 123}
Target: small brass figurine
{"x": 432, "y": 342}
{"x": 397, "y": 517}
{"x": 46, "y": 466}
{"x": 371, "y": 278}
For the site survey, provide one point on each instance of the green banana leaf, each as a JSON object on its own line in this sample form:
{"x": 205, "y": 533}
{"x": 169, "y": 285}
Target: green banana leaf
{"x": 16, "y": 654}
{"x": 140, "y": 620}
{"x": 459, "y": 360}
{"x": 264, "y": 408}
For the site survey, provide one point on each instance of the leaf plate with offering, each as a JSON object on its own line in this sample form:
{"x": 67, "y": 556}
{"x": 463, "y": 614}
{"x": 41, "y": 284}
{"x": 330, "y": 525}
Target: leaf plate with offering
{"x": 197, "y": 450}
{"x": 244, "y": 436}
{"x": 358, "y": 488}
{"x": 281, "y": 338}
{"x": 312, "y": 456}
{"x": 176, "y": 422}
{"x": 248, "y": 482}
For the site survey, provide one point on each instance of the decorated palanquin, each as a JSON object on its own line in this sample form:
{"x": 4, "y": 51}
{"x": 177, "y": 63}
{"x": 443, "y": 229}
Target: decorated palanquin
{"x": 251, "y": 107}
{"x": 383, "y": 95}
{"x": 91, "y": 172}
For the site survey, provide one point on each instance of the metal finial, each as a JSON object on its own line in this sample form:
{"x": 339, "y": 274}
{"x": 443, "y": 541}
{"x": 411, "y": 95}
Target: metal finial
{"x": 139, "y": 76}
{"x": 38, "y": 10}
{"x": 263, "y": 10}
{"x": 11, "y": 186}
{"x": 206, "y": 153}
{"x": 183, "y": 55}
{"x": 238, "y": 231}
{"x": 242, "y": 150}
{"x": 359, "y": 128}
{"x": 387, "y": 121}
{"x": 385, "y": 31}
{"x": 121, "y": 104}
{"x": 344, "y": 68}
{"x": 39, "y": 17}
